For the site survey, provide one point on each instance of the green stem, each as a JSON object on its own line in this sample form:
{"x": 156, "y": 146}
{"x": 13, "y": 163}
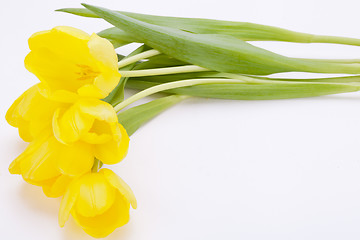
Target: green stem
{"x": 258, "y": 79}
{"x": 163, "y": 71}
{"x": 233, "y": 79}
{"x": 341, "y": 61}
{"x": 171, "y": 85}
{"x": 335, "y": 39}
{"x": 138, "y": 57}
{"x": 97, "y": 165}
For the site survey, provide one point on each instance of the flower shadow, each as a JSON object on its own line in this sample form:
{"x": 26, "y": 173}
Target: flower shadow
{"x": 36, "y": 200}
{"x": 73, "y": 231}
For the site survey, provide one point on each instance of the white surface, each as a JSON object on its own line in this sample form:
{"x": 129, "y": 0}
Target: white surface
{"x": 210, "y": 169}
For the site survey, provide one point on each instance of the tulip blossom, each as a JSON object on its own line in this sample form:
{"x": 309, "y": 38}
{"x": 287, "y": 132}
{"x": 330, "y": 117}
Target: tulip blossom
{"x": 71, "y": 63}
{"x": 31, "y": 113}
{"x": 37, "y": 165}
{"x": 93, "y": 122}
{"x": 99, "y": 203}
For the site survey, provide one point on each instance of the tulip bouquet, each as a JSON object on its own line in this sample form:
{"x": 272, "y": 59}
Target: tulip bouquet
{"x": 74, "y": 118}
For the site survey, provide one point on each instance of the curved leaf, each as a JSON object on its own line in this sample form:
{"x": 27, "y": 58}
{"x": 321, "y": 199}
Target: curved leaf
{"x": 243, "y": 30}
{"x": 217, "y": 52}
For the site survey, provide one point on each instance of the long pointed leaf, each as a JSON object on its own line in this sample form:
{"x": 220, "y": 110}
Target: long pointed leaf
{"x": 216, "y": 52}
{"x": 117, "y": 37}
{"x": 242, "y": 30}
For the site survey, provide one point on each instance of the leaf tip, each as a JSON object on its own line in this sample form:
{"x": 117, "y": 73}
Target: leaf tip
{"x": 86, "y": 5}
{"x": 93, "y": 8}
{"x": 90, "y": 7}
{"x": 61, "y": 10}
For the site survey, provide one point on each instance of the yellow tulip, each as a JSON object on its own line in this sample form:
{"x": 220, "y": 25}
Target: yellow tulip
{"x": 31, "y": 113}
{"x": 71, "y": 63}
{"x": 94, "y": 122}
{"x": 99, "y": 203}
{"x": 52, "y": 165}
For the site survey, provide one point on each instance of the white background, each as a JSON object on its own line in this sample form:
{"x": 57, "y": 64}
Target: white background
{"x": 209, "y": 169}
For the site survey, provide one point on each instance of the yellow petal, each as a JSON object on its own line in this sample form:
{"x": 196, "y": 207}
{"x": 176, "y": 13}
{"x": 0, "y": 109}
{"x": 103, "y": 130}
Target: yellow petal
{"x": 57, "y": 187}
{"x": 14, "y": 167}
{"x": 41, "y": 183}
{"x": 52, "y": 69}
{"x": 56, "y": 72}
{"x": 100, "y": 132}
{"x": 36, "y": 127}
{"x": 119, "y": 184}
{"x": 98, "y": 109}
{"x": 115, "y": 150}
{"x": 61, "y": 59}
{"x": 61, "y": 95}
{"x": 78, "y": 120}
{"x": 71, "y": 124}
{"x": 16, "y": 114}
{"x": 24, "y": 130}
{"x": 103, "y": 51}
{"x": 31, "y": 113}
{"x": 38, "y": 113}
{"x": 13, "y": 114}
{"x": 68, "y": 59}
{"x": 74, "y": 159}
{"x": 107, "y": 81}
{"x": 93, "y": 138}
{"x": 89, "y": 90}
{"x": 37, "y": 162}
{"x": 102, "y": 225}
{"x": 96, "y": 195}
{"x": 68, "y": 202}
{"x": 65, "y": 41}
{"x": 104, "y": 117}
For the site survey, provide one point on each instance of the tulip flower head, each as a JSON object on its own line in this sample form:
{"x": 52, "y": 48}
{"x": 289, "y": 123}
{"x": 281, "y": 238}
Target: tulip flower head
{"x": 71, "y": 63}
{"x": 31, "y": 113}
{"x": 99, "y": 203}
{"x": 52, "y": 165}
{"x": 95, "y": 123}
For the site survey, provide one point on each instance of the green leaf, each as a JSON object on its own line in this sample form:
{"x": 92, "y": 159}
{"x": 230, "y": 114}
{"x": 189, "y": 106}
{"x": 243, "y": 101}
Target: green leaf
{"x": 78, "y": 11}
{"x": 254, "y": 91}
{"x": 120, "y": 57}
{"x": 117, "y": 37}
{"x": 135, "y": 117}
{"x": 347, "y": 79}
{"x": 216, "y": 52}
{"x": 160, "y": 61}
{"x": 242, "y": 30}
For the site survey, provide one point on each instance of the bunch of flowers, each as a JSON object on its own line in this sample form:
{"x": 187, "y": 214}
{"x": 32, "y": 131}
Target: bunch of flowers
{"x": 70, "y": 129}
{"x": 74, "y": 120}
